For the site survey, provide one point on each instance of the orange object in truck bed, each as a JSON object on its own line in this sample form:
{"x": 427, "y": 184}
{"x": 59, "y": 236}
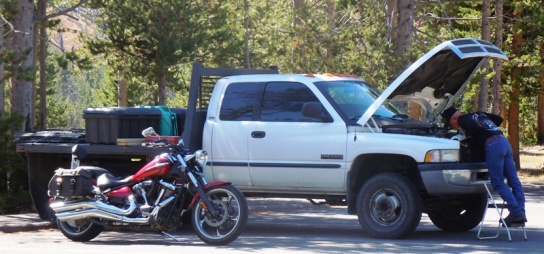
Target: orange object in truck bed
{"x": 170, "y": 139}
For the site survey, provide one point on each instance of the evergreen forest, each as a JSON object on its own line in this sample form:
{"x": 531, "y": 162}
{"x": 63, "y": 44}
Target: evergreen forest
{"x": 58, "y": 57}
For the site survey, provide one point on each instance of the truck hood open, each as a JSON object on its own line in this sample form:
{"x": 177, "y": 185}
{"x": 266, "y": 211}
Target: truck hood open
{"x": 437, "y": 78}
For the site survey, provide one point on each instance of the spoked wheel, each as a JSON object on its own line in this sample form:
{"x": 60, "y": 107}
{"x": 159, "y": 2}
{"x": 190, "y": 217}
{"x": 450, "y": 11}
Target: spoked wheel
{"x": 231, "y": 218}
{"x": 79, "y": 230}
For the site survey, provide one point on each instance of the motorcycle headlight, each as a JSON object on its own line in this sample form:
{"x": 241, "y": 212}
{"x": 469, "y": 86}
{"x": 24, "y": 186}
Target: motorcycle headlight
{"x": 201, "y": 157}
{"x": 449, "y": 155}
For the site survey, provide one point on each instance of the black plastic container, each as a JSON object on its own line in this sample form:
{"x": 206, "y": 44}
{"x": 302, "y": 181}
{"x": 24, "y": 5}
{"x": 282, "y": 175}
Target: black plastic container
{"x": 106, "y": 125}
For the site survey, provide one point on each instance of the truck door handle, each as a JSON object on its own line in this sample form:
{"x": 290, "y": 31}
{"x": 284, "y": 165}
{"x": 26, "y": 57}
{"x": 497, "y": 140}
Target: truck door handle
{"x": 258, "y": 134}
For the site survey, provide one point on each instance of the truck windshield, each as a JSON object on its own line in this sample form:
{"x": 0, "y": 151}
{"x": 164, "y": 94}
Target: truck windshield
{"x": 354, "y": 97}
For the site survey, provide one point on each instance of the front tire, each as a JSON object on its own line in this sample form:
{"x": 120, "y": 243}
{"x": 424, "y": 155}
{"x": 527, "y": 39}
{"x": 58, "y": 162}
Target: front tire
{"x": 389, "y": 206}
{"x": 79, "y": 230}
{"x": 462, "y": 215}
{"x": 225, "y": 227}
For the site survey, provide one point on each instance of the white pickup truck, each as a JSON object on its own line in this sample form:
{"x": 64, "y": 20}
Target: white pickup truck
{"x": 327, "y": 137}
{"x": 338, "y": 139}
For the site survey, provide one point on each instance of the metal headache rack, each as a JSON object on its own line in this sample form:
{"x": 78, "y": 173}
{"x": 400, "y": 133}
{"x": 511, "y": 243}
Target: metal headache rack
{"x": 203, "y": 80}
{"x": 205, "y": 90}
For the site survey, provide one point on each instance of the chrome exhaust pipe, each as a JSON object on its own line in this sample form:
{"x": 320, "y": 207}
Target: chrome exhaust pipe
{"x": 99, "y": 214}
{"x": 61, "y": 207}
{"x": 97, "y": 209}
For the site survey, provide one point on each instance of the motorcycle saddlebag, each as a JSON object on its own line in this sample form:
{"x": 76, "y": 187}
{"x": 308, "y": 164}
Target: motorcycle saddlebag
{"x": 70, "y": 183}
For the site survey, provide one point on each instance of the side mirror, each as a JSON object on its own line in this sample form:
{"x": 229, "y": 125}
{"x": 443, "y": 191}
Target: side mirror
{"x": 315, "y": 110}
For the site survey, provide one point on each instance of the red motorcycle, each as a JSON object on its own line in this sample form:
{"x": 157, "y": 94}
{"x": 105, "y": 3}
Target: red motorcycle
{"x": 88, "y": 199}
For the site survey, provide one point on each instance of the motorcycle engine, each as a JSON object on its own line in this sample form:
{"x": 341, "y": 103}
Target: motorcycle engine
{"x": 151, "y": 194}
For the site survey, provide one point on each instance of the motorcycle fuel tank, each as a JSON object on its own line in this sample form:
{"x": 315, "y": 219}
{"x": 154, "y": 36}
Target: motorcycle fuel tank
{"x": 157, "y": 167}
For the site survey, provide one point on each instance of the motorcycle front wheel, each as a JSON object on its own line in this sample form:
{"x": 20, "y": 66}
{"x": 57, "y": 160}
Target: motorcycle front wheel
{"x": 229, "y": 221}
{"x": 79, "y": 230}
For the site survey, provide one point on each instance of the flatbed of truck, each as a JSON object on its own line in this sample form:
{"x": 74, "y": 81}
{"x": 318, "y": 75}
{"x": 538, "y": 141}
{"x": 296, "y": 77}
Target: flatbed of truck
{"x": 66, "y": 148}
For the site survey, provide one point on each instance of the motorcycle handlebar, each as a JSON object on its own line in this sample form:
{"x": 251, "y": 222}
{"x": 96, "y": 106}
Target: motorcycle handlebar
{"x": 164, "y": 143}
{"x": 157, "y": 143}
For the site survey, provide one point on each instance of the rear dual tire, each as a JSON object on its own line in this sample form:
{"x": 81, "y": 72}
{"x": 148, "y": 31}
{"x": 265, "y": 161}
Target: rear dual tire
{"x": 461, "y": 215}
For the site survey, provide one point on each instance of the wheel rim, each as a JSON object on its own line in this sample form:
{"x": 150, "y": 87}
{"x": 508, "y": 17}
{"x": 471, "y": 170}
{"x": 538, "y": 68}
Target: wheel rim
{"x": 218, "y": 227}
{"x": 75, "y": 226}
{"x": 385, "y": 207}
{"x": 216, "y": 221}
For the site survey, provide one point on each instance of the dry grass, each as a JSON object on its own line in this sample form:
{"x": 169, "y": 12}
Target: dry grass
{"x": 532, "y": 164}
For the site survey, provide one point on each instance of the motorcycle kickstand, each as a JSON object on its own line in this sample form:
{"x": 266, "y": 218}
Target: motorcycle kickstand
{"x": 171, "y": 236}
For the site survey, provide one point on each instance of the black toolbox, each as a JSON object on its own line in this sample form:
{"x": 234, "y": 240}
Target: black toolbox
{"x": 106, "y": 125}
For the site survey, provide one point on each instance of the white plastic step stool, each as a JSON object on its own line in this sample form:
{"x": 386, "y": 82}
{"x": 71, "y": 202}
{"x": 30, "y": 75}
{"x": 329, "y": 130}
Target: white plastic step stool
{"x": 502, "y": 224}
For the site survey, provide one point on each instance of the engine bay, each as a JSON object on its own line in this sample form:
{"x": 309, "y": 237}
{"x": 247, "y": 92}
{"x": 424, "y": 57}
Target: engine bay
{"x": 404, "y": 125}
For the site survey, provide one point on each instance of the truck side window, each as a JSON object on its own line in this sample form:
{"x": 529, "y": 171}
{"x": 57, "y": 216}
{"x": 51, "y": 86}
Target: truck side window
{"x": 282, "y": 102}
{"x": 239, "y": 101}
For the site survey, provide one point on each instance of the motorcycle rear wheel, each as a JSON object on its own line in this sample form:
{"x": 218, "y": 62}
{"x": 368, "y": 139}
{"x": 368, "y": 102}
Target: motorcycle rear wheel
{"x": 79, "y": 230}
{"x": 230, "y": 221}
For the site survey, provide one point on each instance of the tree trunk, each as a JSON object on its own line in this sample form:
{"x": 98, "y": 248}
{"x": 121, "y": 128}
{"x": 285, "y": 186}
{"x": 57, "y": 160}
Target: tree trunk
{"x": 247, "y": 64}
{"x": 22, "y": 84}
{"x": 35, "y": 49}
{"x": 391, "y": 16}
{"x": 486, "y": 33}
{"x": 513, "y": 119}
{"x": 122, "y": 89}
{"x": 42, "y": 11}
{"x": 330, "y": 24}
{"x": 404, "y": 31}
{"x": 2, "y": 83}
{"x": 297, "y": 54}
{"x": 497, "y": 63}
{"x": 162, "y": 89}
{"x": 297, "y": 6}
{"x": 540, "y": 104}
{"x": 513, "y": 110}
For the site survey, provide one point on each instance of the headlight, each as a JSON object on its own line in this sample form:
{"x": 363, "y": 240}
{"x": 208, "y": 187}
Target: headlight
{"x": 201, "y": 157}
{"x": 434, "y": 156}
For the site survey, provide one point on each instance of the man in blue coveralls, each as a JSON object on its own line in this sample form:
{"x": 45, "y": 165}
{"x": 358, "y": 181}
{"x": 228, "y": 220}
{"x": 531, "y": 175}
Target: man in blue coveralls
{"x": 483, "y": 129}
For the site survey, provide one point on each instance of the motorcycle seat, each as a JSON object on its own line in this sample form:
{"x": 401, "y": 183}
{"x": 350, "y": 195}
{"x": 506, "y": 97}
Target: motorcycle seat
{"x": 108, "y": 180}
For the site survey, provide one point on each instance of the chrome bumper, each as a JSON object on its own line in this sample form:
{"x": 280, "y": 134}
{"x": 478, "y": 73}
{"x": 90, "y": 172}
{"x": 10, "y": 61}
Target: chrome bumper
{"x": 454, "y": 178}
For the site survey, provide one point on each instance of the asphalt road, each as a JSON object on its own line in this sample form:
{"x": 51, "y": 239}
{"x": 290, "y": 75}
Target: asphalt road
{"x": 295, "y": 226}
